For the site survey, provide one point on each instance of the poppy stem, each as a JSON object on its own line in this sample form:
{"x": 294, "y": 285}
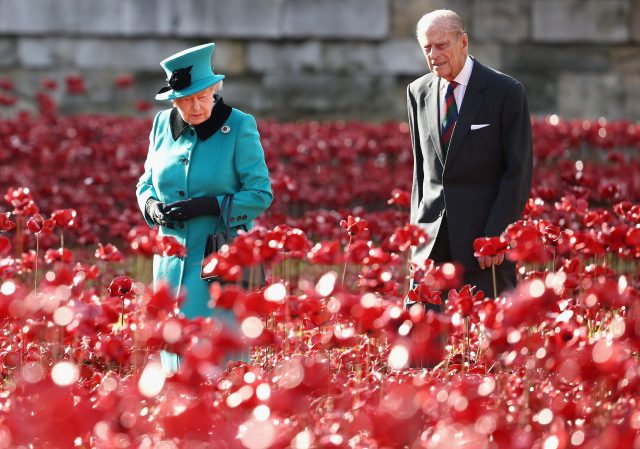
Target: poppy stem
{"x": 346, "y": 260}
{"x": 493, "y": 274}
{"x": 19, "y": 236}
{"x": 35, "y": 269}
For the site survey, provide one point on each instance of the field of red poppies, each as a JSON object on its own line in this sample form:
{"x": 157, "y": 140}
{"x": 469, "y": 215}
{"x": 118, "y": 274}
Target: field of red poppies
{"x": 334, "y": 356}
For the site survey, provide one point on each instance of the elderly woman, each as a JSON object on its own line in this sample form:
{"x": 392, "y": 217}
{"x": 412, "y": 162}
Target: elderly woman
{"x": 199, "y": 151}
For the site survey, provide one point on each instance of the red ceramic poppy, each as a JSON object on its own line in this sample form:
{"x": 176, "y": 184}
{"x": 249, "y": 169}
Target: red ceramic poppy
{"x": 5, "y": 223}
{"x": 354, "y": 225}
{"x": 109, "y": 253}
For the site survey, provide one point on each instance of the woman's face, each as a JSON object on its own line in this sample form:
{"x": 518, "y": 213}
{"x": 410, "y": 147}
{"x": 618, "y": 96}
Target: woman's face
{"x": 195, "y": 108}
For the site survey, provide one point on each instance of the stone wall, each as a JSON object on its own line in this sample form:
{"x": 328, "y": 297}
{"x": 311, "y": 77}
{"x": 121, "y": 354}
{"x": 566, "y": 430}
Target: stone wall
{"x": 324, "y": 58}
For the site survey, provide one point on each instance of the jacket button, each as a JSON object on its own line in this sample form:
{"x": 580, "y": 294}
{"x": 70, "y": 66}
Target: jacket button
{"x": 181, "y": 193}
{"x": 184, "y": 160}
{"x": 244, "y": 217}
{"x": 232, "y": 219}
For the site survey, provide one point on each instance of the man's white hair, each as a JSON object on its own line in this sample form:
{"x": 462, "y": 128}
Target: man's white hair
{"x": 453, "y": 20}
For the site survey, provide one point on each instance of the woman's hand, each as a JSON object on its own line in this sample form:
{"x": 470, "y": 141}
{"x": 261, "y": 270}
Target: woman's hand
{"x": 193, "y": 207}
{"x": 156, "y": 210}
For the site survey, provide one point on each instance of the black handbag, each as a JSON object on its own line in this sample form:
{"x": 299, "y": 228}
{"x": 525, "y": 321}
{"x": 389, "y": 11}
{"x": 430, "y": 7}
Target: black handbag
{"x": 252, "y": 277}
{"x": 218, "y": 239}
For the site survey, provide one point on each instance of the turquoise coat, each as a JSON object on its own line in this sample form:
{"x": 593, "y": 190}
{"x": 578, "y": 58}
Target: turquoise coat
{"x": 231, "y": 161}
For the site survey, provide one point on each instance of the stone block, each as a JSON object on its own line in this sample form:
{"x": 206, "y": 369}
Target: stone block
{"x": 391, "y": 57}
{"x": 98, "y": 18}
{"x": 487, "y": 53}
{"x": 625, "y": 60}
{"x": 576, "y": 57}
{"x": 401, "y": 57}
{"x": 246, "y": 93}
{"x": 148, "y": 17}
{"x": 127, "y": 54}
{"x": 590, "y": 95}
{"x": 351, "y": 57}
{"x": 35, "y": 17}
{"x": 634, "y": 20}
{"x": 631, "y": 102}
{"x": 229, "y": 57}
{"x": 360, "y": 19}
{"x": 270, "y": 57}
{"x": 8, "y": 51}
{"x": 497, "y": 20}
{"x": 581, "y": 20}
{"x": 406, "y": 13}
{"x": 40, "y": 52}
{"x": 344, "y": 96}
{"x": 223, "y": 18}
{"x": 542, "y": 90}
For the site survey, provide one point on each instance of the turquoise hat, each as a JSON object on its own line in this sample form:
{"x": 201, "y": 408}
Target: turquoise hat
{"x": 188, "y": 72}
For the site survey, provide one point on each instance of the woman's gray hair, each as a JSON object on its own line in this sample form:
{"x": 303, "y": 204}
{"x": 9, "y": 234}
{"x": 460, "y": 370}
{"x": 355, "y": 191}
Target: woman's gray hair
{"x": 217, "y": 87}
{"x": 454, "y": 21}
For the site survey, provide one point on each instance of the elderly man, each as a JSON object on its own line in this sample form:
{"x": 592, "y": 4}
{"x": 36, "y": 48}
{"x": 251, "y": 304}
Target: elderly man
{"x": 473, "y": 156}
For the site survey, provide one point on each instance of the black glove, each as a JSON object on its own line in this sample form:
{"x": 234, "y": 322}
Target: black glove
{"x": 156, "y": 210}
{"x": 192, "y": 207}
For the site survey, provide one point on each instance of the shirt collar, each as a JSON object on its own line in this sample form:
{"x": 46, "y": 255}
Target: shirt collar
{"x": 464, "y": 75}
{"x": 219, "y": 114}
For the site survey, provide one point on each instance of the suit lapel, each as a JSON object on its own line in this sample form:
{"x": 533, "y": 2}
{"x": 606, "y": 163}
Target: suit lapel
{"x": 431, "y": 103}
{"x": 471, "y": 103}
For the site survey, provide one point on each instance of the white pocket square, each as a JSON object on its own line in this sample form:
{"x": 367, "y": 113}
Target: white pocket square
{"x": 479, "y": 126}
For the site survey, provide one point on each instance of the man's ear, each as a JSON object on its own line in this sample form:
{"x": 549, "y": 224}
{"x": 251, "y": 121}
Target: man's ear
{"x": 465, "y": 41}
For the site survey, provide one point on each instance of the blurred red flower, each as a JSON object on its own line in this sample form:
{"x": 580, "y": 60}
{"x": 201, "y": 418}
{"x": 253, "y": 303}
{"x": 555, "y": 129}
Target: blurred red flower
{"x": 400, "y": 198}
{"x": 109, "y": 253}
{"x": 354, "y": 225}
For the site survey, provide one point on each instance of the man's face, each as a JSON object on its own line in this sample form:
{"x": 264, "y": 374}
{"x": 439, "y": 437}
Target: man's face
{"x": 445, "y": 50}
{"x": 195, "y": 108}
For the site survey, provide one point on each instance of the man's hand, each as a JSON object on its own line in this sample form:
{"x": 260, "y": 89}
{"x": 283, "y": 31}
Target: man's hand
{"x": 487, "y": 261}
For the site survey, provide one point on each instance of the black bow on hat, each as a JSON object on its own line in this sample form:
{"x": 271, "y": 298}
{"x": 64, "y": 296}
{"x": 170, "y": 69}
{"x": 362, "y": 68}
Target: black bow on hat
{"x": 180, "y": 79}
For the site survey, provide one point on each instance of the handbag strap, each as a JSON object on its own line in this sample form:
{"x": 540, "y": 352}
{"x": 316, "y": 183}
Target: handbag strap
{"x": 226, "y": 202}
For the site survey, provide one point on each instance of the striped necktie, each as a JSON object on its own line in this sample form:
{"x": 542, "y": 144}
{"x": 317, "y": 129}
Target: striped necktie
{"x": 450, "y": 116}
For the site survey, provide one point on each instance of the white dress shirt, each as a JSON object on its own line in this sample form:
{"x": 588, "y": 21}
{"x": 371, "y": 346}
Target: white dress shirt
{"x": 463, "y": 80}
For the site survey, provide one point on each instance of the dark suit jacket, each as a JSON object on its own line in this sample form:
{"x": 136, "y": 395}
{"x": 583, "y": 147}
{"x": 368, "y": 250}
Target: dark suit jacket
{"x": 484, "y": 182}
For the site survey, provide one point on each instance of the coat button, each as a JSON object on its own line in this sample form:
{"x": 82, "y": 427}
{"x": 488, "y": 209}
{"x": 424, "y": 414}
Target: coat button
{"x": 181, "y": 193}
{"x": 184, "y": 160}
{"x": 244, "y": 217}
{"x": 232, "y": 219}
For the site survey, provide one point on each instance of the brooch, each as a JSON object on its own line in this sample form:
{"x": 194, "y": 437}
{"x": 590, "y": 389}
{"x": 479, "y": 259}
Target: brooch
{"x": 225, "y": 129}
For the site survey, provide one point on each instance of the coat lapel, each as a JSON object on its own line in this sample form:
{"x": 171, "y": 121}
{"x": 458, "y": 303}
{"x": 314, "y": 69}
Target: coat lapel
{"x": 471, "y": 103}
{"x": 431, "y": 103}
